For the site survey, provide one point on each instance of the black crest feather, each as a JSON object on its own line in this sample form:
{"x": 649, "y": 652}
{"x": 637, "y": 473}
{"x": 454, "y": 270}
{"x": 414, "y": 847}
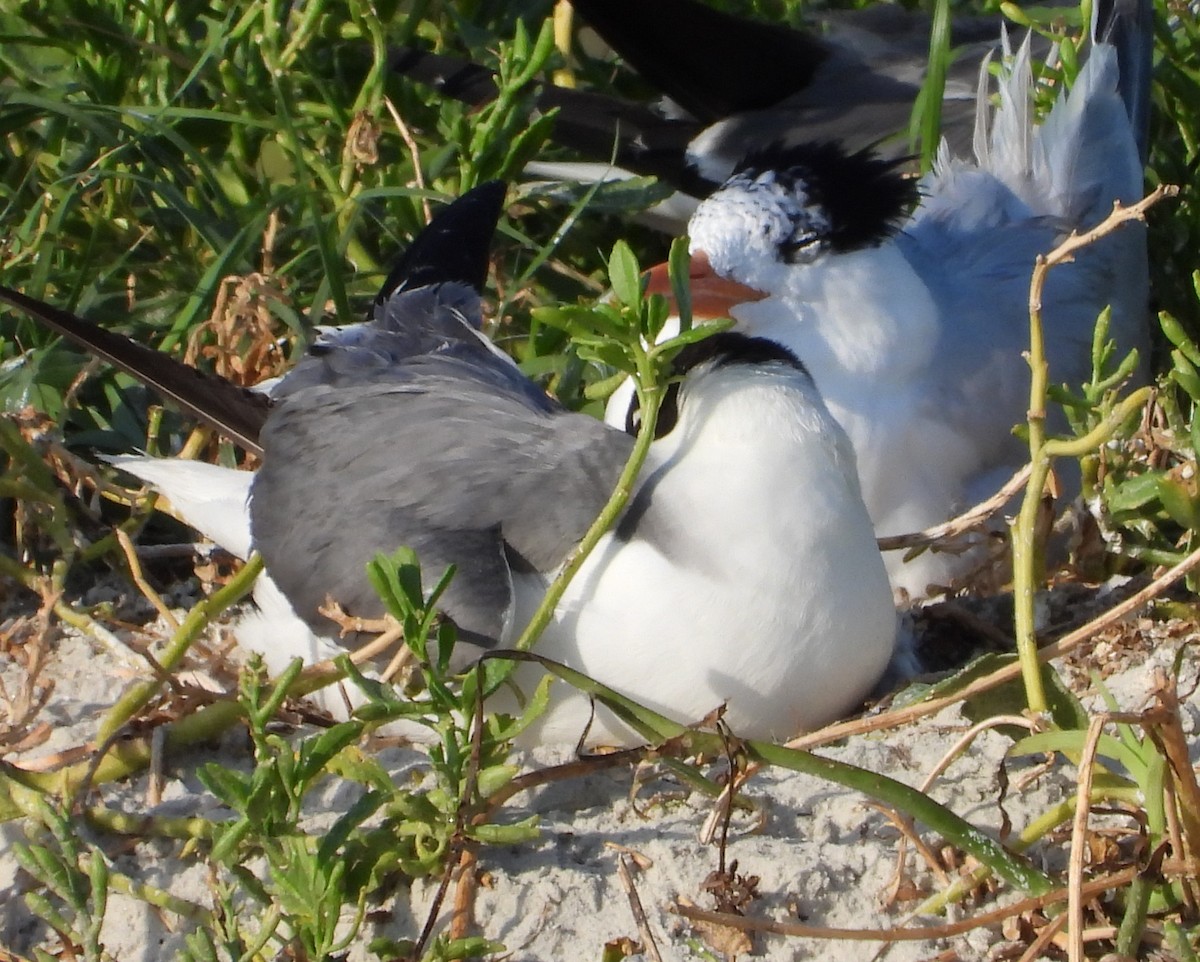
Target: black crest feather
{"x": 722, "y": 349}
{"x": 455, "y": 246}
{"x": 865, "y": 196}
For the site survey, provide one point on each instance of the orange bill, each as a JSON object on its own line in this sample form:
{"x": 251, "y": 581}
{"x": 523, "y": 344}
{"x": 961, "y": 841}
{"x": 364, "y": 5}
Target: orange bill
{"x": 712, "y": 296}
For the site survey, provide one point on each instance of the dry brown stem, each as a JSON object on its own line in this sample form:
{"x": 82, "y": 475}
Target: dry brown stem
{"x": 912, "y": 933}
{"x": 649, "y": 945}
{"x": 1079, "y": 830}
{"x": 139, "y": 579}
{"x": 969, "y": 519}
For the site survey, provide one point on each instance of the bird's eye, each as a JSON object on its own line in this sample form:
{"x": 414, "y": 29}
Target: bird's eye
{"x": 801, "y": 248}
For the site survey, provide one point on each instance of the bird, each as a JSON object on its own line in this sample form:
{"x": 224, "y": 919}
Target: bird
{"x": 743, "y": 572}
{"x": 732, "y": 85}
{"x": 915, "y": 334}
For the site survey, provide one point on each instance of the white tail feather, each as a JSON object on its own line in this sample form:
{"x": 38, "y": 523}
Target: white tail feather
{"x": 212, "y": 499}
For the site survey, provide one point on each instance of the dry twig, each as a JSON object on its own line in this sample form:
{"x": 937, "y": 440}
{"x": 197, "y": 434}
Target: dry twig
{"x": 910, "y": 934}
{"x": 1079, "y": 828}
{"x": 139, "y": 579}
{"x": 649, "y": 945}
{"x": 969, "y": 519}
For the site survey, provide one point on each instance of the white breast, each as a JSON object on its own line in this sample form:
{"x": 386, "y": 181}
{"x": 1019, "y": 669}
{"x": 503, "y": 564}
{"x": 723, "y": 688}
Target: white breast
{"x": 767, "y": 592}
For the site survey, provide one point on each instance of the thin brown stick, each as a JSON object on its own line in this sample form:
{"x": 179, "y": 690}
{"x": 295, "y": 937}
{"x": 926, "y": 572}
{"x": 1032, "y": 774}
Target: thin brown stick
{"x": 376, "y": 646}
{"x": 400, "y": 660}
{"x": 965, "y": 740}
{"x": 352, "y": 624}
{"x": 908, "y": 833}
{"x": 462, "y": 917}
{"x": 1047, "y": 935}
{"x": 1121, "y": 214}
{"x": 1175, "y": 833}
{"x": 48, "y": 763}
{"x": 649, "y": 945}
{"x": 1168, "y": 733}
{"x": 139, "y": 579}
{"x": 461, "y": 852}
{"x": 155, "y": 782}
{"x": 962, "y": 523}
{"x": 910, "y": 934}
{"x": 1069, "y": 642}
{"x": 413, "y": 150}
{"x": 572, "y": 769}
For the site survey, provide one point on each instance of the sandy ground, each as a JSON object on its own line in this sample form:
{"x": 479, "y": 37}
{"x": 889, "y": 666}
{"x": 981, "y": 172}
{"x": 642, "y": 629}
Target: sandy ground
{"x": 821, "y": 854}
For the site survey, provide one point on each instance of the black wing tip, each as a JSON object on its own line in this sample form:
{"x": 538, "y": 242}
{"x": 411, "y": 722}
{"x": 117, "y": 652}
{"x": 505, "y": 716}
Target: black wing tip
{"x": 236, "y": 412}
{"x": 728, "y": 64}
{"x": 454, "y": 247}
{"x": 1128, "y": 25}
{"x": 866, "y": 196}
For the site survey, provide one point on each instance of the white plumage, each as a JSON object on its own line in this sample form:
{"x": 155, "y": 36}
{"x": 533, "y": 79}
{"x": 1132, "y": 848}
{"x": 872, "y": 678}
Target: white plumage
{"x": 916, "y": 344}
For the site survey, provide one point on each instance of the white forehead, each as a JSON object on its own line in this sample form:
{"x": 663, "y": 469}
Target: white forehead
{"x": 741, "y": 226}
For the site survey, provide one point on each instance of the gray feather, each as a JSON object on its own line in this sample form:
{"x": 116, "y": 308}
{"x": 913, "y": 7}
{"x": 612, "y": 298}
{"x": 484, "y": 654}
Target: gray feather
{"x": 415, "y": 431}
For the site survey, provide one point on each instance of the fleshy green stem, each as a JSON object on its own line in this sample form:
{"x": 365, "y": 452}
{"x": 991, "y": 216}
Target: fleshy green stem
{"x": 650, "y": 398}
{"x": 197, "y": 620}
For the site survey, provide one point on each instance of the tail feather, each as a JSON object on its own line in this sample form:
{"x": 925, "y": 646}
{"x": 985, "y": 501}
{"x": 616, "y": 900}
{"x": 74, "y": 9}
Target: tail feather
{"x": 1090, "y": 148}
{"x": 212, "y": 499}
{"x": 979, "y": 141}
{"x": 234, "y": 411}
{"x": 454, "y": 248}
{"x": 711, "y": 63}
{"x": 1009, "y": 154}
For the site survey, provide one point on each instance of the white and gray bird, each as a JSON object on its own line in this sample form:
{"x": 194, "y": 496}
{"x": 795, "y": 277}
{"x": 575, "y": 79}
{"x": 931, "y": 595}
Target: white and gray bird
{"x": 915, "y": 334}
{"x": 743, "y": 572}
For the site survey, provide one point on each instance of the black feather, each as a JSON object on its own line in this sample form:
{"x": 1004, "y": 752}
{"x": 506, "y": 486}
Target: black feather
{"x": 711, "y": 63}
{"x": 234, "y": 411}
{"x": 454, "y": 247}
{"x": 864, "y": 196}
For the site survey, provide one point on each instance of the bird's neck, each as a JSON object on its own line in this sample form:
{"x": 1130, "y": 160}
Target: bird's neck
{"x": 857, "y": 320}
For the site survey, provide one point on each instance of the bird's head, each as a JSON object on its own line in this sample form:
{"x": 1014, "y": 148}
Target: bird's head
{"x": 789, "y": 207}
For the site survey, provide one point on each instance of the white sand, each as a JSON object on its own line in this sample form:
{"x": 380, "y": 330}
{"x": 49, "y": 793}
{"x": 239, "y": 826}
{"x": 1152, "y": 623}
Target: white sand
{"x": 822, "y": 854}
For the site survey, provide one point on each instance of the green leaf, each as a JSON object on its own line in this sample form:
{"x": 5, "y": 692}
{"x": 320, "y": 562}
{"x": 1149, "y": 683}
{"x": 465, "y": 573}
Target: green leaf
{"x": 229, "y": 838}
{"x": 625, "y": 275}
{"x": 679, "y": 270}
{"x": 317, "y": 753}
{"x": 1178, "y": 337}
{"x": 1184, "y": 374}
{"x": 694, "y": 335}
{"x": 338, "y": 834}
{"x": 514, "y": 833}
{"x": 493, "y": 778}
{"x": 1011, "y": 698}
{"x": 1071, "y": 743}
{"x": 1136, "y": 492}
{"x": 1179, "y": 501}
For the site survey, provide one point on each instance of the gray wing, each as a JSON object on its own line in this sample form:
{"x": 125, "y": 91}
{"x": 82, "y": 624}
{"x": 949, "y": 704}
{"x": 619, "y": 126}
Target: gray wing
{"x": 986, "y": 336}
{"x": 973, "y": 232}
{"x": 431, "y": 439}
